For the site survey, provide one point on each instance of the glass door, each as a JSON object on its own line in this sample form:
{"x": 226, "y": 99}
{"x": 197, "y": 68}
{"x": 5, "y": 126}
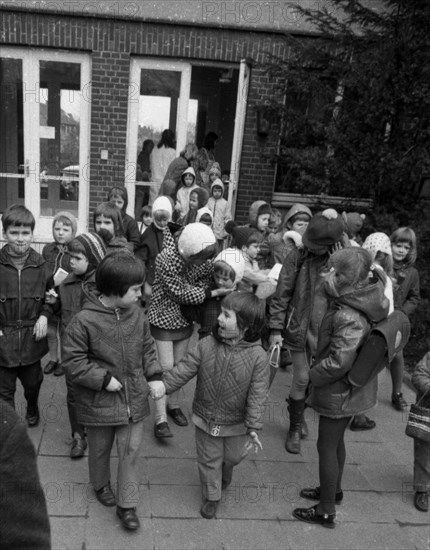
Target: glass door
{"x": 44, "y": 134}
{"x": 158, "y": 111}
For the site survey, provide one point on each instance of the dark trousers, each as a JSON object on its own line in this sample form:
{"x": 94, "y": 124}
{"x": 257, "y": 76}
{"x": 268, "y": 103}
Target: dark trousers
{"x": 71, "y": 408}
{"x": 31, "y": 377}
{"x": 332, "y": 454}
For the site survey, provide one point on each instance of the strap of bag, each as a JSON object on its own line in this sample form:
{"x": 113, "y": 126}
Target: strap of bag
{"x": 274, "y": 356}
{"x": 422, "y": 397}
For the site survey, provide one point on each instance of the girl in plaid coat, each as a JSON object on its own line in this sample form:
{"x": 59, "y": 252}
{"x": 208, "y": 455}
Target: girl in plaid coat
{"x": 183, "y": 275}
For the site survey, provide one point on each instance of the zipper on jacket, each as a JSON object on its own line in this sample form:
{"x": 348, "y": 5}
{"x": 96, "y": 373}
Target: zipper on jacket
{"x": 127, "y": 402}
{"x": 225, "y": 369}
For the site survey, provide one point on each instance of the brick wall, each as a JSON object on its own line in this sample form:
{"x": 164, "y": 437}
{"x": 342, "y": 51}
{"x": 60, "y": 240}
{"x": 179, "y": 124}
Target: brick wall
{"x": 111, "y": 43}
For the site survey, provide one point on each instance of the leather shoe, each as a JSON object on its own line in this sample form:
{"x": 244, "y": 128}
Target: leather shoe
{"x": 177, "y": 416}
{"x": 105, "y": 496}
{"x": 50, "y": 367}
{"x": 59, "y": 371}
{"x": 310, "y": 516}
{"x": 78, "y": 447}
{"x": 292, "y": 444}
{"x": 367, "y": 424}
{"x": 162, "y": 430}
{"x": 128, "y": 518}
{"x": 314, "y": 494}
{"x": 209, "y": 508}
{"x": 399, "y": 402}
{"x": 32, "y": 416}
{"x": 421, "y": 501}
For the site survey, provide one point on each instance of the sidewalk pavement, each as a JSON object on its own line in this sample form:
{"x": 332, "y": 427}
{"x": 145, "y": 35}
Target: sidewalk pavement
{"x": 256, "y": 510}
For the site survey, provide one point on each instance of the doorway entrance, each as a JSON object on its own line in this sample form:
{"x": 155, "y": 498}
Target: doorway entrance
{"x": 190, "y": 99}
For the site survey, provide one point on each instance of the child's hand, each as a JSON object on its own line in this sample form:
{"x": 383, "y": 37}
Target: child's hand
{"x": 51, "y": 297}
{"x": 158, "y": 389}
{"x": 114, "y": 385}
{"x": 253, "y": 442}
{"x": 275, "y": 339}
{"x": 40, "y": 328}
{"x": 221, "y": 292}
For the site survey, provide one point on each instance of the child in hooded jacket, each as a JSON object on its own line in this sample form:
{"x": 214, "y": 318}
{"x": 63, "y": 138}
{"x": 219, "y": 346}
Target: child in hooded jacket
{"x": 354, "y": 304}
{"x": 188, "y": 184}
{"x": 220, "y": 209}
{"x": 197, "y": 201}
{"x": 406, "y": 290}
{"x": 294, "y": 225}
{"x": 119, "y": 197}
{"x": 229, "y": 268}
{"x": 56, "y": 254}
{"x": 152, "y": 242}
{"x": 232, "y": 372}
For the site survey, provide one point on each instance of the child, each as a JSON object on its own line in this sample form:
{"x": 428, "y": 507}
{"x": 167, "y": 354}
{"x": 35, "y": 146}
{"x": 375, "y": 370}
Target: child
{"x": 198, "y": 199}
{"x": 248, "y": 241}
{"x": 275, "y": 221}
{"x": 188, "y": 184}
{"x": 214, "y": 173}
{"x": 86, "y": 252}
{"x": 119, "y": 197}
{"x": 259, "y": 216}
{"x": 355, "y": 305}
{"x": 220, "y": 210}
{"x": 111, "y": 358}
{"x": 108, "y": 224}
{"x": 57, "y": 256}
{"x": 297, "y": 309}
{"x": 146, "y": 219}
{"x": 204, "y": 215}
{"x": 24, "y": 277}
{"x": 155, "y": 238}
{"x": 183, "y": 275}
{"x": 406, "y": 297}
{"x": 421, "y": 380}
{"x": 232, "y": 385}
{"x": 379, "y": 246}
{"x": 295, "y": 223}
{"x": 229, "y": 267}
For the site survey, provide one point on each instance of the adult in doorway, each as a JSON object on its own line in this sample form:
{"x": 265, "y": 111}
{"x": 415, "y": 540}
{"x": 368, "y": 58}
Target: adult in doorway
{"x": 160, "y": 159}
{"x": 206, "y": 159}
{"x": 186, "y": 158}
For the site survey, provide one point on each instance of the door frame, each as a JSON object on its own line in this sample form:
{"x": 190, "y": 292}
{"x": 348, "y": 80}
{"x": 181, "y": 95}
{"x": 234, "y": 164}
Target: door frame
{"x": 31, "y": 129}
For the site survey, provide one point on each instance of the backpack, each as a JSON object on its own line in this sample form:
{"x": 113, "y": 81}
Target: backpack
{"x": 385, "y": 340}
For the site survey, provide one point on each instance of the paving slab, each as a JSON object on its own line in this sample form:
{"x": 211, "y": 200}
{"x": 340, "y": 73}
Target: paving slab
{"x": 68, "y": 533}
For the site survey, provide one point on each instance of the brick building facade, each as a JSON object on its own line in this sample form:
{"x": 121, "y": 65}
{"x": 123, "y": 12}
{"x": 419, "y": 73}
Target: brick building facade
{"x": 111, "y": 42}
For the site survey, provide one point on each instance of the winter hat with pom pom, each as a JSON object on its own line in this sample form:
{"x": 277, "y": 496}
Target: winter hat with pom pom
{"x": 324, "y": 230}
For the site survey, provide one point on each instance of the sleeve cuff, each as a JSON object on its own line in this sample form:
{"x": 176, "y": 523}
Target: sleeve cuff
{"x": 106, "y": 380}
{"x": 156, "y": 377}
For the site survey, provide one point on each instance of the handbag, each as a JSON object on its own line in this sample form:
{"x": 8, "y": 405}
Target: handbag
{"x": 274, "y": 360}
{"x": 418, "y": 425}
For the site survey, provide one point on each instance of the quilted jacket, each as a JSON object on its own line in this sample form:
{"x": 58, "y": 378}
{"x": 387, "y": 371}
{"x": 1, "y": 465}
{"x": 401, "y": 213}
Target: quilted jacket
{"x": 232, "y": 381}
{"x": 22, "y": 295}
{"x": 291, "y": 306}
{"x": 421, "y": 380}
{"x": 406, "y": 289}
{"x": 343, "y": 330}
{"x": 99, "y": 343}
{"x": 176, "y": 284}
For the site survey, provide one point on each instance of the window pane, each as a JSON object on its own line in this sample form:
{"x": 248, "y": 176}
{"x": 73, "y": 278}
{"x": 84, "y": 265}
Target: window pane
{"x": 60, "y": 104}
{"x": 11, "y": 133}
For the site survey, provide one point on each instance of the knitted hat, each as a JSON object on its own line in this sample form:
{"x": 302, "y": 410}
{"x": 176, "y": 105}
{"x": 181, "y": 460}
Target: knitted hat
{"x": 324, "y": 230}
{"x": 297, "y": 209}
{"x": 242, "y": 233}
{"x": 378, "y": 242}
{"x": 353, "y": 222}
{"x": 70, "y": 217}
{"x": 194, "y": 238}
{"x": 95, "y": 248}
{"x": 258, "y": 208}
{"x": 215, "y": 169}
{"x": 203, "y": 196}
{"x": 204, "y": 210}
{"x": 162, "y": 203}
{"x": 235, "y": 259}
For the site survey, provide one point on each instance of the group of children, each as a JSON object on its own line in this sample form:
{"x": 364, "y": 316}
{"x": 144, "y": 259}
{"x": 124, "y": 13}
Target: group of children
{"x": 123, "y": 303}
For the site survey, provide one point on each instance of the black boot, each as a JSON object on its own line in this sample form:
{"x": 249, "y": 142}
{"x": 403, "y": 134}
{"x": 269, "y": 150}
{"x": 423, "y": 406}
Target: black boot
{"x": 296, "y": 409}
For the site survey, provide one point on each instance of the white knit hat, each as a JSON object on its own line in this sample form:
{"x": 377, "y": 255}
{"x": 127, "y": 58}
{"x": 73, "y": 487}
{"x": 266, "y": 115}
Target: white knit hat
{"x": 378, "y": 242}
{"x": 235, "y": 259}
{"x": 162, "y": 203}
{"x": 194, "y": 238}
{"x": 204, "y": 210}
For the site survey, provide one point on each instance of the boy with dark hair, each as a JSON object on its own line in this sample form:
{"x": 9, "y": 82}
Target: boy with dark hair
{"x": 24, "y": 277}
{"x": 111, "y": 358}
